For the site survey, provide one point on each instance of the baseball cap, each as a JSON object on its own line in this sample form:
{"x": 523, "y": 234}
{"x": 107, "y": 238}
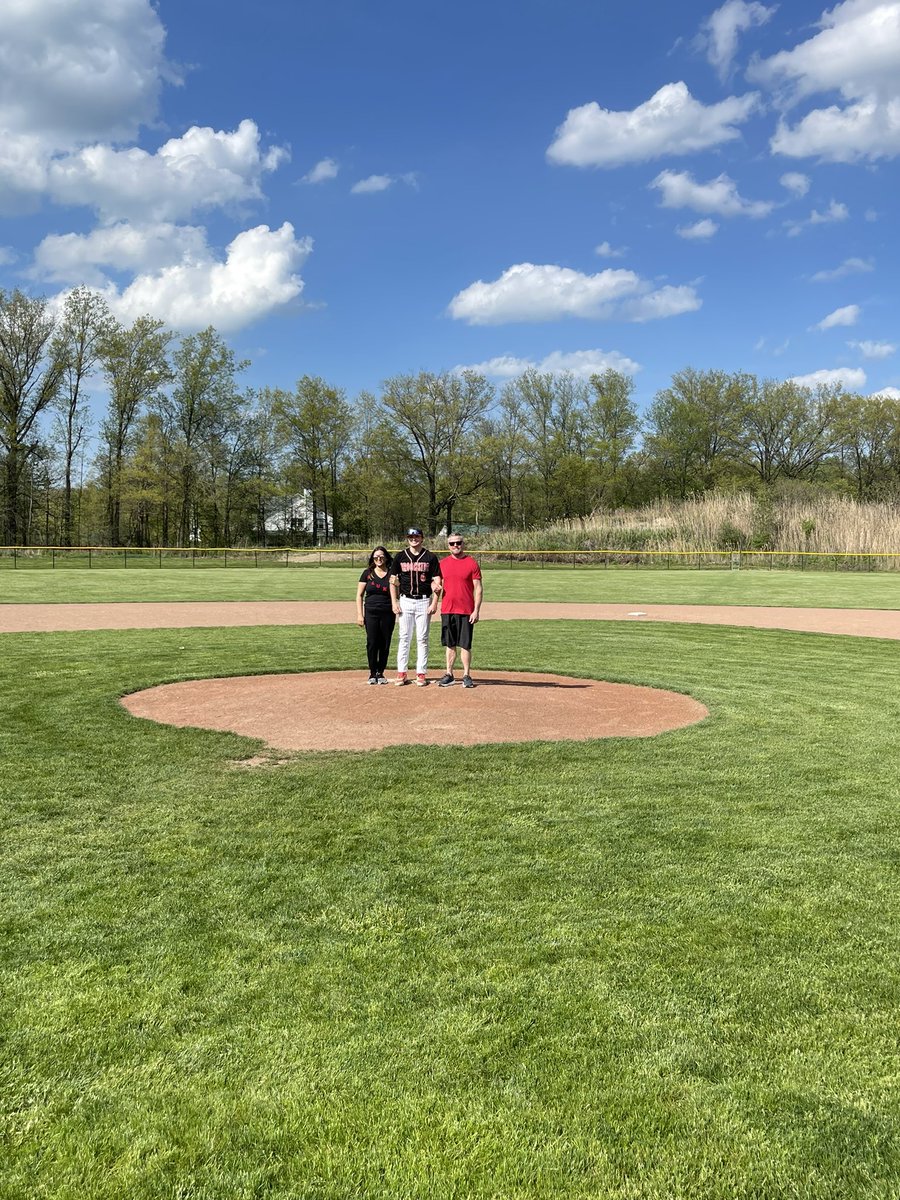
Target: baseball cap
{"x": 414, "y": 531}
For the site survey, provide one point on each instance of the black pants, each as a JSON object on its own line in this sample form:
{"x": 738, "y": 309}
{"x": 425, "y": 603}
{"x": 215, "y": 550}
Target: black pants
{"x": 379, "y": 629}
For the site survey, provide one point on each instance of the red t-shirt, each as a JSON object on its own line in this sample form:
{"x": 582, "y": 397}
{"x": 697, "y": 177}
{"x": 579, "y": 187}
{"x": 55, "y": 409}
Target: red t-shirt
{"x": 459, "y": 575}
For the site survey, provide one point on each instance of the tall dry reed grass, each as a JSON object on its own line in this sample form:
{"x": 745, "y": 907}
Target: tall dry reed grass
{"x": 721, "y": 521}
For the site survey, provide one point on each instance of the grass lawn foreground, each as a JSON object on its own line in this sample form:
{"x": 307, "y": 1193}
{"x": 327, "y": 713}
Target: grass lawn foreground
{"x": 636, "y": 969}
{"x": 809, "y": 589}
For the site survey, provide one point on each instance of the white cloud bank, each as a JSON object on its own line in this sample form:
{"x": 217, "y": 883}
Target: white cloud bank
{"x": 836, "y": 211}
{"x": 720, "y": 32}
{"x": 580, "y": 363}
{"x": 79, "y": 80}
{"x": 324, "y": 170}
{"x": 856, "y": 54}
{"x": 848, "y": 315}
{"x": 671, "y": 122}
{"x": 850, "y": 266}
{"x": 529, "y": 292}
{"x": 381, "y": 183}
{"x": 203, "y": 169}
{"x": 874, "y": 349}
{"x": 71, "y": 73}
{"x": 88, "y": 258}
{"x": 795, "y": 182}
{"x": 850, "y": 378}
{"x": 886, "y": 393}
{"x": 606, "y": 250}
{"x": 699, "y": 231}
{"x": 258, "y": 274}
{"x": 679, "y": 189}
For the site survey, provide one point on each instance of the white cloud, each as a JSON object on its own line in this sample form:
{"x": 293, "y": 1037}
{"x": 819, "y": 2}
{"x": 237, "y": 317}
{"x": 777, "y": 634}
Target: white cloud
{"x": 372, "y": 183}
{"x": 855, "y": 53}
{"x": 874, "y": 349}
{"x": 846, "y": 377}
{"x": 670, "y": 122}
{"x": 380, "y": 183}
{"x": 720, "y": 31}
{"x": 680, "y": 190}
{"x": 699, "y": 231}
{"x": 259, "y": 275}
{"x": 796, "y": 183}
{"x": 886, "y": 393}
{"x": 835, "y": 211}
{"x": 848, "y": 315}
{"x": 850, "y": 266}
{"x": 528, "y": 292}
{"x": 581, "y": 363}
{"x": 88, "y": 258}
{"x": 605, "y": 250}
{"x": 7, "y": 256}
{"x": 324, "y": 170}
{"x": 204, "y": 168}
{"x": 72, "y": 72}
{"x": 868, "y": 130}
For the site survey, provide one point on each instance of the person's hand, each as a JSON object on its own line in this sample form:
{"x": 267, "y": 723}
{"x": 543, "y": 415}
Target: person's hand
{"x": 398, "y": 611}
{"x": 360, "y": 622}
{"x": 432, "y": 609}
{"x": 473, "y": 617}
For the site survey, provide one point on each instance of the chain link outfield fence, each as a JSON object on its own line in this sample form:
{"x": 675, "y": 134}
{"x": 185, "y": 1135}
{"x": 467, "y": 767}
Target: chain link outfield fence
{"x": 222, "y": 558}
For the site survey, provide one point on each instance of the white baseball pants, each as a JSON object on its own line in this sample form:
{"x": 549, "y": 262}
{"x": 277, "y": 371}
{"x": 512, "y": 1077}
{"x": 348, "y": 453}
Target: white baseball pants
{"x": 414, "y": 614}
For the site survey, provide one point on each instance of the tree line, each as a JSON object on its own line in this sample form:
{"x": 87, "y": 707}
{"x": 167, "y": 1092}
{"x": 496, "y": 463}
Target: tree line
{"x": 175, "y": 451}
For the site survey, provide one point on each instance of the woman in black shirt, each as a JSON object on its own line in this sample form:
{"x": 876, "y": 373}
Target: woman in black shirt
{"x": 377, "y": 618}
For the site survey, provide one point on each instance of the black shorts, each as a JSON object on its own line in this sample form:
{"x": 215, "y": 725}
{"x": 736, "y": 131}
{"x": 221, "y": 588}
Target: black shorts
{"x": 456, "y": 630}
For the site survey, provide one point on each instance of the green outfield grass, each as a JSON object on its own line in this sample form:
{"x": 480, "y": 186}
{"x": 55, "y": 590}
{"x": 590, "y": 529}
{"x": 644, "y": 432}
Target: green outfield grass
{"x": 622, "y": 585}
{"x": 661, "y": 969}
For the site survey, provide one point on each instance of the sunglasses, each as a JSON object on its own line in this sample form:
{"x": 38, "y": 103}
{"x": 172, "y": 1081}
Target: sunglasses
{"x": 377, "y": 556}
{"x": 454, "y": 543}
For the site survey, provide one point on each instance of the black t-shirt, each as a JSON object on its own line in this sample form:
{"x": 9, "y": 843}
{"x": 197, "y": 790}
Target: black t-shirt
{"x": 416, "y": 571}
{"x": 377, "y": 596}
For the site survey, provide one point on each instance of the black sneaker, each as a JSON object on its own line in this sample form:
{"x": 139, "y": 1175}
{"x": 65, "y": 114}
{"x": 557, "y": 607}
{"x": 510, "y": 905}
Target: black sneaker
{"x": 468, "y": 681}
{"x": 446, "y": 680}
{"x": 380, "y": 679}
{"x": 373, "y": 679}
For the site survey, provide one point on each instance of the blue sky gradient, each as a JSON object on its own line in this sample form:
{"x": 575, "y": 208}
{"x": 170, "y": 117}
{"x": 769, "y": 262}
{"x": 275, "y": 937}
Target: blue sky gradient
{"x": 355, "y": 190}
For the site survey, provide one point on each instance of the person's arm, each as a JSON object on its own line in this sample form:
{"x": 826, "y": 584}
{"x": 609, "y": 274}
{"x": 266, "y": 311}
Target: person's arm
{"x": 437, "y": 586}
{"x": 395, "y": 592}
{"x": 479, "y": 595}
{"x": 360, "y": 592}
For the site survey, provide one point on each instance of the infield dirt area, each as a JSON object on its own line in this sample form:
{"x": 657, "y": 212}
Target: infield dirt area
{"x": 337, "y": 710}
{"x": 48, "y": 618}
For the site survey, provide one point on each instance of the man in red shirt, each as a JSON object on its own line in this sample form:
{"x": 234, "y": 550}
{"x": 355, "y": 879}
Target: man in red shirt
{"x": 460, "y": 607}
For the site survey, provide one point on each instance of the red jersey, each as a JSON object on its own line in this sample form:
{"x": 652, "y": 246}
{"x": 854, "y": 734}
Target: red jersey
{"x": 459, "y": 575}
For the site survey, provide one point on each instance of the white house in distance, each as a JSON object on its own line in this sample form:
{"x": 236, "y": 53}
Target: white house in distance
{"x": 294, "y": 514}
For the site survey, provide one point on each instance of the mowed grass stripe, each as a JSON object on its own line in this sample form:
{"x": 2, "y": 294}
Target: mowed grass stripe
{"x": 648, "y": 968}
{"x": 628, "y": 585}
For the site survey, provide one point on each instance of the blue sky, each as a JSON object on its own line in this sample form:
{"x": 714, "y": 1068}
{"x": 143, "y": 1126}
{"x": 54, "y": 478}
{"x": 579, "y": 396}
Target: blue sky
{"x": 355, "y": 189}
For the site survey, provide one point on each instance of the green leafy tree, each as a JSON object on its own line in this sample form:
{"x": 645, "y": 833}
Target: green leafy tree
{"x": 315, "y": 423}
{"x": 85, "y": 322}
{"x": 613, "y": 426}
{"x": 786, "y": 428}
{"x": 31, "y": 373}
{"x": 197, "y": 407}
{"x": 135, "y": 363}
{"x": 435, "y": 418}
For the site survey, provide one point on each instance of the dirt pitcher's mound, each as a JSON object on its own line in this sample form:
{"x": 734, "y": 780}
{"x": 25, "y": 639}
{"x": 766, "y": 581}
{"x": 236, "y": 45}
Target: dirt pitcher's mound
{"x": 338, "y": 710}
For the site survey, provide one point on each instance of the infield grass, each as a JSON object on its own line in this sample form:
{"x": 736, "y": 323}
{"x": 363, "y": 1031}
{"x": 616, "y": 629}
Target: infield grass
{"x": 639, "y": 969}
{"x": 808, "y": 589}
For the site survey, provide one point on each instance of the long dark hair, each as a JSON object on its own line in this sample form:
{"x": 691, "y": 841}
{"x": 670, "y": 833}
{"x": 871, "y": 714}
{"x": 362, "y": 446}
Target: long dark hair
{"x": 387, "y": 558}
